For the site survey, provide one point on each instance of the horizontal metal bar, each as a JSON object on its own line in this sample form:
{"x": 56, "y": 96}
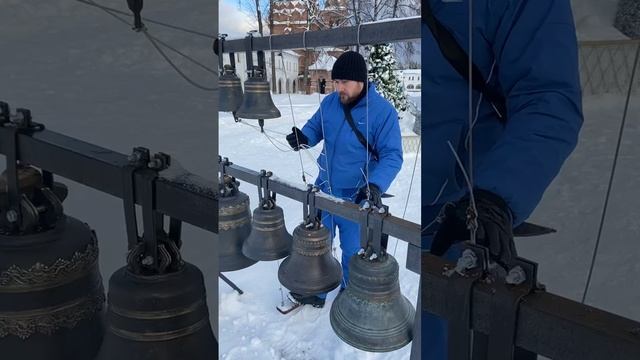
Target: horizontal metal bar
{"x": 394, "y": 226}
{"x": 184, "y": 196}
{"x": 395, "y": 30}
{"x": 605, "y": 43}
{"x": 549, "y": 325}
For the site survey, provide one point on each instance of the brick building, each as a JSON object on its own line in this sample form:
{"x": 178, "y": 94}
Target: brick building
{"x": 296, "y": 16}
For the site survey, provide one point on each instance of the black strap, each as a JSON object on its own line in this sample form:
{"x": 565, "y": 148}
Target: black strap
{"x": 459, "y": 60}
{"x": 361, "y": 138}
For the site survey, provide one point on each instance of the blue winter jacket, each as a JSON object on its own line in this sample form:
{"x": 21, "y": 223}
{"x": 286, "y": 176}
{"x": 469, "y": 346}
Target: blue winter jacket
{"x": 531, "y": 46}
{"x": 343, "y": 169}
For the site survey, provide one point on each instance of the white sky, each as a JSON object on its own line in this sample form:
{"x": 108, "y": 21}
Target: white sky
{"x": 234, "y": 22}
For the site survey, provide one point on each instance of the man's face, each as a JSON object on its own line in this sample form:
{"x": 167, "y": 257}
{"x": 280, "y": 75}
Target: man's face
{"x": 348, "y": 89}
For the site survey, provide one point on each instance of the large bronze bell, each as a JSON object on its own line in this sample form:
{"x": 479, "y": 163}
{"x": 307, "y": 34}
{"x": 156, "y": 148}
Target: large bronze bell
{"x": 269, "y": 239}
{"x": 230, "y": 90}
{"x": 371, "y": 314}
{"x": 257, "y": 102}
{"x": 310, "y": 269}
{"x": 158, "y": 317}
{"x": 51, "y": 293}
{"x": 234, "y": 226}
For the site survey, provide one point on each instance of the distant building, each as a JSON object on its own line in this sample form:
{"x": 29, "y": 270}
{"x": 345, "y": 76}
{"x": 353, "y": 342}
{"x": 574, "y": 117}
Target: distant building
{"x": 296, "y": 16}
{"x": 321, "y": 69}
{"x": 411, "y": 80}
{"x": 286, "y": 76}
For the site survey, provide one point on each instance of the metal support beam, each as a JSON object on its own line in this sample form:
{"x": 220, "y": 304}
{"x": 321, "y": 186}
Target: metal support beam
{"x": 549, "y": 325}
{"x": 394, "y": 226}
{"x": 396, "y": 30}
{"x": 185, "y": 196}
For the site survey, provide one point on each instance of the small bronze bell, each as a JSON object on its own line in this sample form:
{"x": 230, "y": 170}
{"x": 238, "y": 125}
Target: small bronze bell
{"x": 230, "y": 90}
{"x": 310, "y": 269}
{"x": 371, "y": 314}
{"x": 257, "y": 102}
{"x": 269, "y": 239}
{"x": 234, "y": 226}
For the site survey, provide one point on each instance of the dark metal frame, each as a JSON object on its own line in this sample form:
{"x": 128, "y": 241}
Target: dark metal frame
{"x": 103, "y": 170}
{"x": 543, "y": 323}
{"x": 367, "y": 33}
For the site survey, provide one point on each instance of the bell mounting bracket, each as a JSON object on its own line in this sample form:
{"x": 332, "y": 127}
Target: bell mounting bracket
{"x": 227, "y": 183}
{"x": 156, "y": 251}
{"x": 373, "y": 242}
{"x": 309, "y": 211}
{"x": 218, "y": 49}
{"x": 21, "y": 214}
{"x": 468, "y": 271}
{"x": 266, "y": 198}
{"x": 520, "y": 281}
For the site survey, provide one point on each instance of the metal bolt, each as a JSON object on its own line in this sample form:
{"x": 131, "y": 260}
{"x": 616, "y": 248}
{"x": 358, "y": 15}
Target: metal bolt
{"x": 134, "y": 158}
{"x": 147, "y": 261}
{"x": 516, "y": 276}
{"x": 12, "y": 216}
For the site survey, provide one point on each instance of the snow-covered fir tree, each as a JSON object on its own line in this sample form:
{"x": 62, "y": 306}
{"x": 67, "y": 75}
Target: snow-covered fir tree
{"x": 382, "y": 63}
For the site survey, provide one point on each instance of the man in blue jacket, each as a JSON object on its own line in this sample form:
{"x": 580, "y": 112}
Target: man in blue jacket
{"x": 359, "y": 160}
{"x": 526, "y": 111}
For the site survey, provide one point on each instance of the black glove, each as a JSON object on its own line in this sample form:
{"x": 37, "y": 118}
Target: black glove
{"x": 370, "y": 192}
{"x": 297, "y": 139}
{"x": 495, "y": 227}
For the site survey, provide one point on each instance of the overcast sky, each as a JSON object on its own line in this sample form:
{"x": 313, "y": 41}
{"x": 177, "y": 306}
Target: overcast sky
{"x": 234, "y": 22}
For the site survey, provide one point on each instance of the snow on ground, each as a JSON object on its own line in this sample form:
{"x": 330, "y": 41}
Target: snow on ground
{"x": 250, "y": 326}
{"x": 594, "y": 19}
{"x": 573, "y": 205}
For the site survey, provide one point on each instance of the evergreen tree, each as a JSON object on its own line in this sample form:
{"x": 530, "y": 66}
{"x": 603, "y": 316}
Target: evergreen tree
{"x": 382, "y": 63}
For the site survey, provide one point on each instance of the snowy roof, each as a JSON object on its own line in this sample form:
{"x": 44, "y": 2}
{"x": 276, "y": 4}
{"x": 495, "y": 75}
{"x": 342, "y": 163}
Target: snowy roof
{"x": 324, "y": 62}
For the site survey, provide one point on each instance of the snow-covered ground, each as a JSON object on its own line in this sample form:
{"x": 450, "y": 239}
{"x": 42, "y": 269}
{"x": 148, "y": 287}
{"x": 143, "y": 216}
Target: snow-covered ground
{"x": 573, "y": 205}
{"x": 250, "y": 326}
{"x": 594, "y": 19}
{"x": 86, "y": 75}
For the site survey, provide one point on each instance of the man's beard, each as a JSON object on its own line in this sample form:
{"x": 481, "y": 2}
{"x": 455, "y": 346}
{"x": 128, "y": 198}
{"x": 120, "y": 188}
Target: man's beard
{"x": 345, "y": 100}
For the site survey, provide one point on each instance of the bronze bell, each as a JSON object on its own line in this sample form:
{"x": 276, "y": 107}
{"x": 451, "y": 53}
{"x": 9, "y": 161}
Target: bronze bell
{"x": 230, "y": 90}
{"x": 51, "y": 293}
{"x": 371, "y": 314}
{"x": 234, "y": 226}
{"x": 269, "y": 239}
{"x": 257, "y": 102}
{"x": 310, "y": 269}
{"x": 158, "y": 317}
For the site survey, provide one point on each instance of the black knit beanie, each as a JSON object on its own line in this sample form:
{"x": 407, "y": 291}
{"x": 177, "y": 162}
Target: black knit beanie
{"x": 350, "y": 66}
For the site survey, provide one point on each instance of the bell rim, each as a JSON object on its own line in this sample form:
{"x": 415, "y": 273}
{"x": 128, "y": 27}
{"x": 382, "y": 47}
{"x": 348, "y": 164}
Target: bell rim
{"x": 399, "y": 330}
{"x": 291, "y": 287}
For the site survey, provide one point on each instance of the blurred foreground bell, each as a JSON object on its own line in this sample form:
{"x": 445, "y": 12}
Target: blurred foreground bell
{"x": 51, "y": 293}
{"x": 234, "y": 226}
{"x": 371, "y": 314}
{"x": 158, "y": 317}
{"x": 310, "y": 269}
{"x": 257, "y": 102}
{"x": 269, "y": 239}
{"x": 230, "y": 90}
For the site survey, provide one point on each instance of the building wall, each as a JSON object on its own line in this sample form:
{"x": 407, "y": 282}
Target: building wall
{"x": 411, "y": 80}
{"x": 285, "y": 77}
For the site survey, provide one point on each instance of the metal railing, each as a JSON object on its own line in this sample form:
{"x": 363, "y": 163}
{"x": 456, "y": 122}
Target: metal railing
{"x": 605, "y": 66}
